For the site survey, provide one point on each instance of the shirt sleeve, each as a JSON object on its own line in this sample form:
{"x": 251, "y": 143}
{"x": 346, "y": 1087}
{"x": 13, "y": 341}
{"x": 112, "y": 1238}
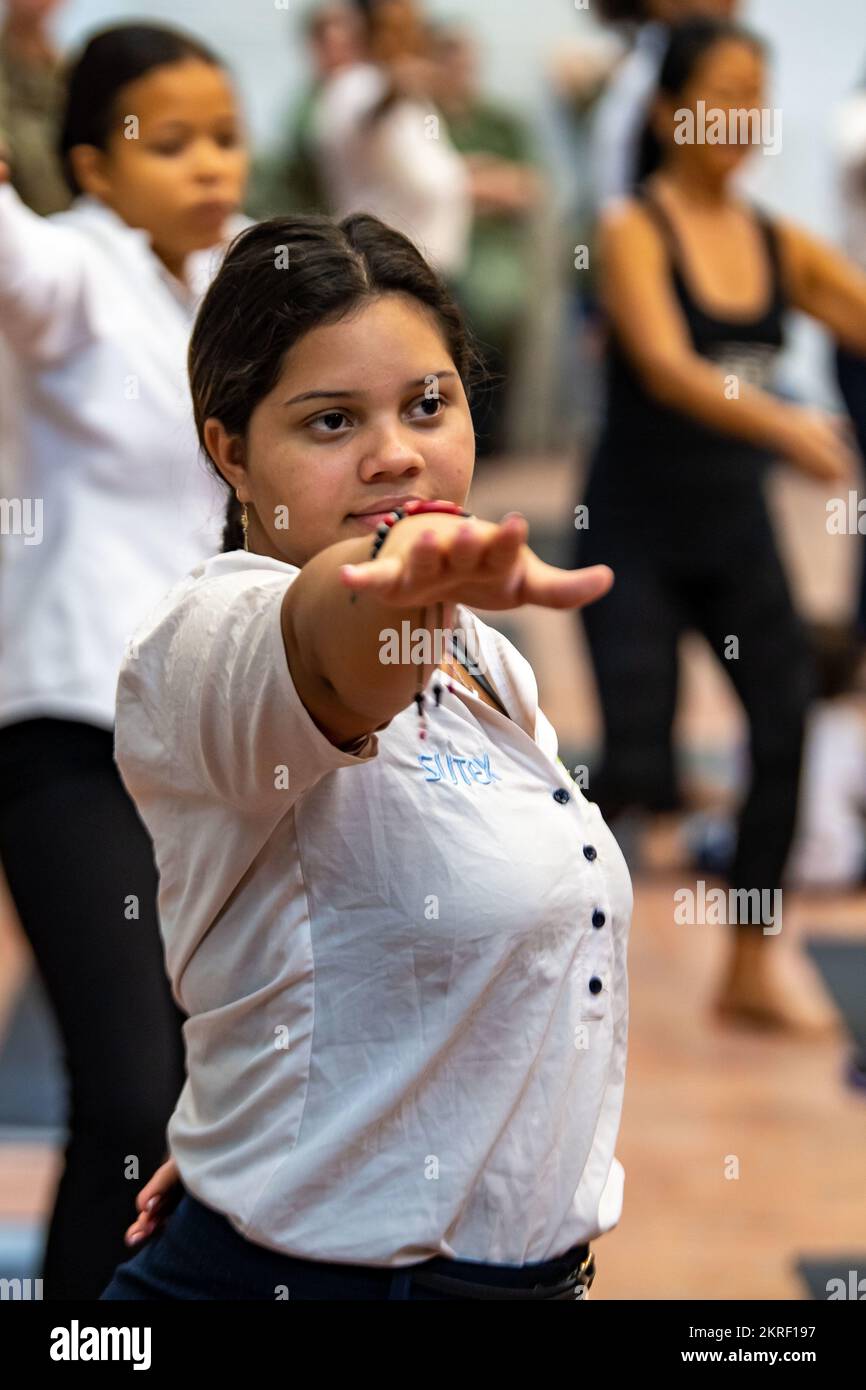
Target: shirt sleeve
{"x": 214, "y": 678}
{"x": 343, "y": 103}
{"x": 44, "y": 282}
{"x": 850, "y": 133}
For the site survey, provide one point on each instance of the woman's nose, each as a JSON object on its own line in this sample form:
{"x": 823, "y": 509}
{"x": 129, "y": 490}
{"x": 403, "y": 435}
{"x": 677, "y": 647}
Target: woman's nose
{"x": 391, "y": 452}
{"x": 209, "y": 161}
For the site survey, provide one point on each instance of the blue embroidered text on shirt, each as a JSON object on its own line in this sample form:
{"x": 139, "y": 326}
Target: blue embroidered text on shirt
{"x": 478, "y": 767}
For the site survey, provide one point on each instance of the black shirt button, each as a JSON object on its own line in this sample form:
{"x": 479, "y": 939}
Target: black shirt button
{"x": 595, "y": 984}
{"x": 561, "y": 795}
{"x": 598, "y": 918}
{"x": 590, "y": 852}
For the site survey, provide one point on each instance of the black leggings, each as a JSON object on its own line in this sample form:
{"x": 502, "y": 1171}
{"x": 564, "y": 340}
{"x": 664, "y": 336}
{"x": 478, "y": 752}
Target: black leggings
{"x": 851, "y": 375}
{"x": 726, "y": 582}
{"x": 80, "y": 868}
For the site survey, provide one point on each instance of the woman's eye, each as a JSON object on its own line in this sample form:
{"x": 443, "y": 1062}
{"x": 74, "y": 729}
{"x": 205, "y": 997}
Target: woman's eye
{"x": 434, "y": 403}
{"x": 331, "y": 420}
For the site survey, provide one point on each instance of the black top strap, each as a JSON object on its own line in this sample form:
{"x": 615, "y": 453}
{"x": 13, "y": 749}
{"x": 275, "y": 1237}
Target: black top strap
{"x": 668, "y": 233}
{"x": 771, "y": 241}
{"x": 663, "y": 222}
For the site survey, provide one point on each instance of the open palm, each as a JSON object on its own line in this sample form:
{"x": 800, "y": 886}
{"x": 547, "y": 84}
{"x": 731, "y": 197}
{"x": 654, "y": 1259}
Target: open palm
{"x": 479, "y": 563}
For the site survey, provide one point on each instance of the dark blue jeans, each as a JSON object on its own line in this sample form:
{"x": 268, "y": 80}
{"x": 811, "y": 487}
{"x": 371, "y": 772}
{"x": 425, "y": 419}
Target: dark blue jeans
{"x": 199, "y": 1255}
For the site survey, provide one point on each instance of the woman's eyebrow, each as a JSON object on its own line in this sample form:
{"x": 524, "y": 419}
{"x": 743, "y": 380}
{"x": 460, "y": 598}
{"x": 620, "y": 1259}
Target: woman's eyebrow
{"x": 343, "y": 392}
{"x": 179, "y": 127}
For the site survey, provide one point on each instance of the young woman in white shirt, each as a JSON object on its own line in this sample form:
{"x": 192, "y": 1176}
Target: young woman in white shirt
{"x": 97, "y": 304}
{"x": 383, "y": 146}
{"x": 397, "y": 926}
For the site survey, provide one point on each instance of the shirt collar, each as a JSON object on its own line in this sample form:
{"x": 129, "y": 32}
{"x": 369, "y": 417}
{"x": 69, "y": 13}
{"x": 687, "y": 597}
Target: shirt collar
{"x": 92, "y": 213}
{"x": 520, "y": 692}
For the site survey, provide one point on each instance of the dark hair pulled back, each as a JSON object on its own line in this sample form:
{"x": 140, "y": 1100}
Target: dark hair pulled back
{"x": 689, "y": 42}
{"x": 109, "y": 61}
{"x": 284, "y": 277}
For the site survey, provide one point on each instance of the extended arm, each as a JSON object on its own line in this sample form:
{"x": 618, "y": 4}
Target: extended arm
{"x": 334, "y": 645}
{"x": 43, "y": 280}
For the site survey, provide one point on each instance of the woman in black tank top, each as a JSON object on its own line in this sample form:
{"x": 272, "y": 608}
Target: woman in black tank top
{"x": 696, "y": 285}
{"x": 654, "y": 447}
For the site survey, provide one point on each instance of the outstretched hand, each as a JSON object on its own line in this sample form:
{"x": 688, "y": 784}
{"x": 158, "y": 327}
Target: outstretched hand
{"x": 478, "y": 563}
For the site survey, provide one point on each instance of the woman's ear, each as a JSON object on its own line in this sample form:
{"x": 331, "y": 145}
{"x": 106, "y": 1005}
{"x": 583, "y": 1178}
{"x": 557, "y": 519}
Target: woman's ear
{"x": 229, "y": 455}
{"x": 88, "y": 166}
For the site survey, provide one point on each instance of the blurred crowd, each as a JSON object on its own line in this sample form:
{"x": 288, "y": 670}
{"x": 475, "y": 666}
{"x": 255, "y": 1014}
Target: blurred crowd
{"x": 652, "y": 303}
{"x": 394, "y": 118}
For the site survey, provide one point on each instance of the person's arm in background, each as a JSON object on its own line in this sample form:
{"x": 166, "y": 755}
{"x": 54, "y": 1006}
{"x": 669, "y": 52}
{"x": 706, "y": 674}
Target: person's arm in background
{"x": 618, "y": 117}
{"x": 651, "y": 327}
{"x": 43, "y": 280}
{"x": 579, "y": 74}
{"x": 505, "y": 180}
{"x": 825, "y": 284}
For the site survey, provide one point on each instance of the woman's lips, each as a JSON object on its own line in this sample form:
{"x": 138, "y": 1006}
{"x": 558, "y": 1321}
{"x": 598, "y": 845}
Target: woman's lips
{"x": 212, "y": 212}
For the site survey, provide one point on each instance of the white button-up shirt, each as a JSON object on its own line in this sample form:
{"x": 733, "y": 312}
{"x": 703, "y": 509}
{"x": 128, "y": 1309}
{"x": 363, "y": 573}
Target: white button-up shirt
{"x": 108, "y": 454}
{"x": 405, "y": 967}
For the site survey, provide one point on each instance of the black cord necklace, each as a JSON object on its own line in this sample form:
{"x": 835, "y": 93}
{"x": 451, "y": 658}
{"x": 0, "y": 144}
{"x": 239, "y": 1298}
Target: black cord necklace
{"x": 476, "y": 674}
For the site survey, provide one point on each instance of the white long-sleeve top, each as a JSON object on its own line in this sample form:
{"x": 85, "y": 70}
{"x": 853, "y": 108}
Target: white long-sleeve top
{"x": 107, "y": 456}
{"x": 404, "y": 966}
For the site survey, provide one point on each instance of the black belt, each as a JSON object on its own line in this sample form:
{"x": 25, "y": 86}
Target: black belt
{"x": 574, "y": 1284}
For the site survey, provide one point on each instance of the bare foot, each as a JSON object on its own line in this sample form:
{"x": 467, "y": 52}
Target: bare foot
{"x": 773, "y": 986}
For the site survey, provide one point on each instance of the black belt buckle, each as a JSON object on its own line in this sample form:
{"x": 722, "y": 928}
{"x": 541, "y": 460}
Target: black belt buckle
{"x": 580, "y": 1279}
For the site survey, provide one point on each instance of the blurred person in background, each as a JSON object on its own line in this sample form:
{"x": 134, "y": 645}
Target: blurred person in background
{"x": 829, "y": 849}
{"x": 289, "y": 180}
{"x": 851, "y": 366}
{"x": 496, "y": 286}
{"x": 696, "y": 285}
{"x": 382, "y": 145}
{"x": 97, "y": 304}
{"x": 828, "y": 853}
{"x": 31, "y": 104}
{"x": 623, "y": 106}
{"x": 605, "y": 85}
